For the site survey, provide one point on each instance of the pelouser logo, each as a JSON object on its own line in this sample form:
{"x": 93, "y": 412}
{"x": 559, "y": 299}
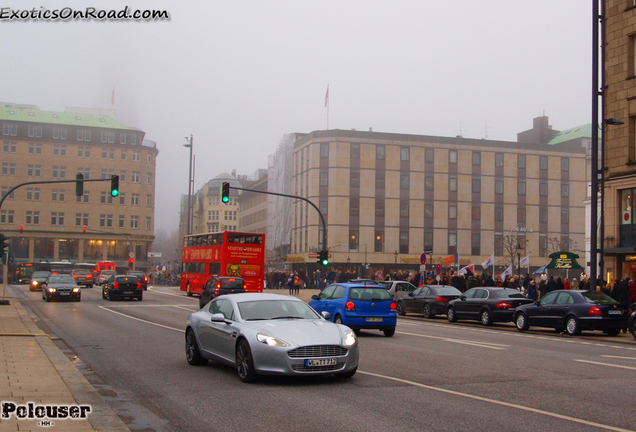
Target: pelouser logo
{"x": 32, "y": 411}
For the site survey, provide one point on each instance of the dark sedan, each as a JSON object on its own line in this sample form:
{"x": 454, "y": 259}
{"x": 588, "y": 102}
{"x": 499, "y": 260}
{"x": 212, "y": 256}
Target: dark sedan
{"x": 122, "y": 286}
{"x": 62, "y": 287}
{"x": 486, "y": 304}
{"x": 220, "y": 285}
{"x": 632, "y": 324}
{"x": 574, "y": 311}
{"x": 37, "y": 279}
{"x": 429, "y": 300}
{"x": 143, "y": 278}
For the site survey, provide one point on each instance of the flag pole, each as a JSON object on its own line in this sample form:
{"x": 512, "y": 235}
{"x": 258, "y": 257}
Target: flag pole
{"x": 327, "y": 105}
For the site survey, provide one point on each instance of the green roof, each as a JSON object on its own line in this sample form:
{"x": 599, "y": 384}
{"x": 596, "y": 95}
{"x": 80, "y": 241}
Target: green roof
{"x": 578, "y": 132}
{"x": 63, "y": 118}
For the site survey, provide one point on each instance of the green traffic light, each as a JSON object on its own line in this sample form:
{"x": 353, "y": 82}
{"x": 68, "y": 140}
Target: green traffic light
{"x": 114, "y": 193}
{"x": 325, "y": 262}
{"x": 226, "y": 199}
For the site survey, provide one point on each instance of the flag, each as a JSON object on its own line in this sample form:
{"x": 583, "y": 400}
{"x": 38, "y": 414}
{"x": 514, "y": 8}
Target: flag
{"x": 464, "y": 270}
{"x": 488, "y": 262}
{"x": 326, "y": 96}
{"x": 112, "y": 97}
{"x": 506, "y": 272}
{"x": 449, "y": 259}
{"x": 525, "y": 261}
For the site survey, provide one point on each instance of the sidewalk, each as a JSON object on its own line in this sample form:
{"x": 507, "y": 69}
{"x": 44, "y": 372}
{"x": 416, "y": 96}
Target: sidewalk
{"x": 33, "y": 369}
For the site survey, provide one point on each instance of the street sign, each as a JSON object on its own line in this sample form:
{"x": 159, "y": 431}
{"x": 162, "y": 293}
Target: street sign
{"x": 314, "y": 255}
{"x": 154, "y": 254}
{"x": 428, "y": 251}
{"x": 131, "y": 255}
{"x": 422, "y": 268}
{"x": 438, "y": 269}
{"x": 423, "y": 258}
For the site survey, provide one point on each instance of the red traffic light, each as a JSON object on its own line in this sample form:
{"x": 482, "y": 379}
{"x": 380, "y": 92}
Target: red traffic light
{"x": 84, "y": 229}
{"x": 21, "y": 228}
{"x": 131, "y": 260}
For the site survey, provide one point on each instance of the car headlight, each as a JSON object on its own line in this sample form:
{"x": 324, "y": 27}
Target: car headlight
{"x": 52, "y": 290}
{"x": 271, "y": 340}
{"x": 350, "y": 338}
{"x": 34, "y": 282}
{"x": 75, "y": 290}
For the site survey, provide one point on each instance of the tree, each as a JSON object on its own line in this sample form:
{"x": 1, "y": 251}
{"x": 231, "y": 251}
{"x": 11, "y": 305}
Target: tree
{"x": 558, "y": 244}
{"x": 508, "y": 246}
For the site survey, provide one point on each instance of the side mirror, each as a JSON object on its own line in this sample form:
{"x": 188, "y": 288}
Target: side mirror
{"x": 537, "y": 303}
{"x": 463, "y": 297}
{"x": 326, "y": 315}
{"x": 314, "y": 297}
{"x": 217, "y": 317}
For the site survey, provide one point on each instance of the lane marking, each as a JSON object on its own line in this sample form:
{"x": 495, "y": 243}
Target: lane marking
{"x": 619, "y": 357}
{"x": 187, "y": 308}
{"x": 183, "y": 296}
{"x": 143, "y": 306}
{"x": 461, "y": 341}
{"x": 606, "y": 364}
{"x": 141, "y": 320}
{"x": 496, "y": 402}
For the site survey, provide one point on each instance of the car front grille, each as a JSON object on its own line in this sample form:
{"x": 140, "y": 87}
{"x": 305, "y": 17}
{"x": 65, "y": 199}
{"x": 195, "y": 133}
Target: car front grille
{"x": 318, "y": 351}
{"x": 303, "y": 368}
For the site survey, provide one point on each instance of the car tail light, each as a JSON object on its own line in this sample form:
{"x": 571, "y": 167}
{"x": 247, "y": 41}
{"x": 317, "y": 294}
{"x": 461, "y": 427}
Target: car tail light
{"x": 594, "y": 310}
{"x": 503, "y": 305}
{"x": 145, "y": 279}
{"x": 218, "y": 289}
{"x": 89, "y": 276}
{"x": 245, "y": 287}
{"x": 350, "y": 306}
{"x": 139, "y": 285}
{"x": 393, "y": 306}
{"x": 441, "y": 299}
{"x": 116, "y": 285}
{"x": 74, "y": 276}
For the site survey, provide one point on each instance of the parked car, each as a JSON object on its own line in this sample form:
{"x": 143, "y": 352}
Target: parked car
{"x": 220, "y": 285}
{"x": 83, "y": 277}
{"x": 37, "y": 279}
{"x": 397, "y": 288}
{"x": 61, "y": 287}
{"x": 486, "y": 304}
{"x": 122, "y": 286}
{"x": 271, "y": 334}
{"x": 574, "y": 311}
{"x": 631, "y": 325}
{"x": 358, "y": 306}
{"x": 143, "y": 278}
{"x": 429, "y": 300}
{"x": 104, "y": 275}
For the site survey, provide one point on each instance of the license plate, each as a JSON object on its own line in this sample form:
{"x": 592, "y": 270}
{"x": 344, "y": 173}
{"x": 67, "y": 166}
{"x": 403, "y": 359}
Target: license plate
{"x": 64, "y": 293}
{"x": 374, "y": 319}
{"x": 615, "y": 312}
{"x": 128, "y": 292}
{"x": 321, "y": 362}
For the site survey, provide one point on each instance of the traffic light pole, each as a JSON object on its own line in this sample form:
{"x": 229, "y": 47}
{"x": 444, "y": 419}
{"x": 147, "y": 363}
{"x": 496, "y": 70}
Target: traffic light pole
{"x": 322, "y": 218}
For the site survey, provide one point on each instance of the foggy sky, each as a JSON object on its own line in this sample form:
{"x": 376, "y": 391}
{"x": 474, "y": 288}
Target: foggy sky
{"x": 238, "y": 75}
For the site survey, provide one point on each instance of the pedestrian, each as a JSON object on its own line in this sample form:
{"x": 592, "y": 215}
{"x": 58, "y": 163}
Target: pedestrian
{"x": 532, "y": 291}
{"x": 551, "y": 285}
{"x": 574, "y": 284}
{"x": 566, "y": 284}
{"x": 543, "y": 288}
{"x": 297, "y": 283}
{"x": 559, "y": 284}
{"x": 290, "y": 283}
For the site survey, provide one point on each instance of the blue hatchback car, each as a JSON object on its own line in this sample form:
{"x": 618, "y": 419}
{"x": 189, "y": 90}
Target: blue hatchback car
{"x": 358, "y": 306}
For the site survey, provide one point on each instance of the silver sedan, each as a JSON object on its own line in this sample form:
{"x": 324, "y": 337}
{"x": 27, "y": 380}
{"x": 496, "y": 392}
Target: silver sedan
{"x": 269, "y": 334}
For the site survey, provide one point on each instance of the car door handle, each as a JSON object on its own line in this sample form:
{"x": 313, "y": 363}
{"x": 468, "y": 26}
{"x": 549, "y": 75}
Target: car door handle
{"x": 234, "y": 334}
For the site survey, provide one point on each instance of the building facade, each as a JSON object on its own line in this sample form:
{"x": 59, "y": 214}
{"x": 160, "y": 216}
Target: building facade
{"x": 46, "y": 221}
{"x": 253, "y": 205}
{"x": 387, "y": 198}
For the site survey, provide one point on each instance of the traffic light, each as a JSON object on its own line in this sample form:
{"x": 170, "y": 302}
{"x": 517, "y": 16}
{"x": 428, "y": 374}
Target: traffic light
{"x": 131, "y": 261}
{"x": 79, "y": 184}
{"x": 114, "y": 185}
{"x": 83, "y": 229}
{"x": 4, "y": 244}
{"x": 225, "y": 192}
{"x": 324, "y": 258}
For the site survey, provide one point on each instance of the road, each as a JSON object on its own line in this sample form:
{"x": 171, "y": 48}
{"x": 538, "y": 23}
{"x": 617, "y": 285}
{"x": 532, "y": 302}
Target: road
{"x": 432, "y": 375}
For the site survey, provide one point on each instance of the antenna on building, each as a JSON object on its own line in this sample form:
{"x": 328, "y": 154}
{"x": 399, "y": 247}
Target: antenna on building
{"x": 486, "y": 129}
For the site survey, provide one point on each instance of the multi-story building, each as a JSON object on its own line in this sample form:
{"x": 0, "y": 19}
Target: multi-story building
{"x": 209, "y": 213}
{"x": 389, "y": 197}
{"x": 46, "y": 221}
{"x": 253, "y": 205}
{"x": 619, "y": 102}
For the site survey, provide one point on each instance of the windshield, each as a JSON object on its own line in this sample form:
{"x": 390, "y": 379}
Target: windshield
{"x": 257, "y": 310}
{"x": 597, "y": 298}
{"x": 61, "y": 279}
{"x": 369, "y": 294}
{"x": 41, "y": 274}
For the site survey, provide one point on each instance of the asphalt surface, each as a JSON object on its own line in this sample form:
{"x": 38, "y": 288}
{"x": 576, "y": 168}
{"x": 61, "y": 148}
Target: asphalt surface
{"x": 432, "y": 375}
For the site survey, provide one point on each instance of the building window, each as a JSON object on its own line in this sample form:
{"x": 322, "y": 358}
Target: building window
{"x": 405, "y": 153}
{"x": 499, "y": 186}
{"x": 148, "y": 178}
{"x": 134, "y": 222}
{"x": 122, "y": 176}
{"x": 324, "y": 178}
{"x": 353, "y": 240}
{"x": 324, "y": 150}
{"x": 355, "y": 151}
{"x": 133, "y": 139}
{"x": 322, "y": 204}
{"x": 354, "y": 207}
{"x": 8, "y": 168}
{"x": 379, "y": 241}
{"x": 9, "y": 147}
{"x": 35, "y": 131}
{"x": 35, "y": 148}
{"x": 136, "y": 156}
{"x": 565, "y": 216}
{"x": 59, "y": 172}
{"x": 452, "y": 157}
{"x": 543, "y": 215}
{"x": 476, "y": 185}
{"x": 565, "y": 164}
{"x": 6, "y": 216}
{"x": 428, "y": 211}
{"x": 543, "y": 189}
{"x": 498, "y": 244}
{"x": 379, "y": 152}
{"x": 123, "y": 155}
{"x": 134, "y": 199}
{"x": 404, "y": 181}
{"x": 521, "y": 187}
{"x": 150, "y": 158}
{"x": 379, "y": 179}
{"x": 521, "y": 215}
{"x": 104, "y": 136}
{"x": 499, "y": 214}
{"x": 499, "y": 159}
{"x": 3, "y": 192}
{"x": 108, "y": 153}
{"x": 57, "y": 219}
{"x": 32, "y": 217}
{"x": 122, "y": 138}
{"x": 543, "y": 163}
{"x": 565, "y": 190}
{"x": 354, "y": 179}
{"x": 379, "y": 208}
{"x": 452, "y": 211}
{"x": 83, "y": 135}
{"x": 475, "y": 243}
{"x": 33, "y": 194}
{"x": 428, "y": 239}
{"x": 404, "y": 241}
{"x": 148, "y": 223}
{"x": 122, "y": 221}
{"x": 404, "y": 209}
{"x": 106, "y": 198}
{"x": 452, "y": 183}
{"x": 521, "y": 161}
{"x": 135, "y": 177}
{"x": 476, "y": 158}
{"x": 452, "y": 239}
{"x": 429, "y": 182}
{"x": 476, "y": 213}
{"x": 58, "y": 195}
{"x": 10, "y": 129}
{"x": 543, "y": 245}
{"x": 81, "y": 219}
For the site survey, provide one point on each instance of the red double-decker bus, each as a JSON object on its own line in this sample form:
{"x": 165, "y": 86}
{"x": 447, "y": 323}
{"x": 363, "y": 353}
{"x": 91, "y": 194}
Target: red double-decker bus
{"x": 225, "y": 253}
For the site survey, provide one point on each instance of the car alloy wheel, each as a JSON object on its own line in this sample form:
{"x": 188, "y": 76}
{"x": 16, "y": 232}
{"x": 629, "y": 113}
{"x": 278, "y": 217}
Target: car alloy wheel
{"x": 244, "y": 362}
{"x": 521, "y": 322}
{"x": 450, "y": 314}
{"x": 572, "y": 326}
{"x": 189, "y": 294}
{"x": 337, "y": 319}
{"x": 427, "y": 311}
{"x": 485, "y": 317}
{"x": 193, "y": 355}
{"x": 400, "y": 309}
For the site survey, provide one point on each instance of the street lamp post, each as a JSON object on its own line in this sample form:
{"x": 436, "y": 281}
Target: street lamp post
{"x": 396, "y": 256}
{"x": 519, "y": 252}
{"x": 190, "y": 145}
